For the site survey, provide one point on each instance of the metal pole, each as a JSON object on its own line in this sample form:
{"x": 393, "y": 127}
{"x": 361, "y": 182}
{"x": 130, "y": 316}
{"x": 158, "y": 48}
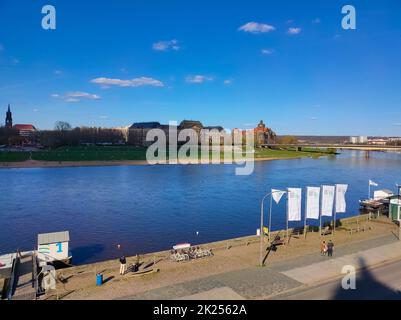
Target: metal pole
{"x": 369, "y": 190}
{"x": 335, "y": 209}
{"x": 320, "y": 225}
{"x": 305, "y": 214}
{"x": 270, "y": 217}
{"x": 261, "y": 231}
{"x": 287, "y": 215}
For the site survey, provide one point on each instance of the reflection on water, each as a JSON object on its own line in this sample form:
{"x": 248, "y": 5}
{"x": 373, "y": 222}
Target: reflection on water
{"x": 148, "y": 208}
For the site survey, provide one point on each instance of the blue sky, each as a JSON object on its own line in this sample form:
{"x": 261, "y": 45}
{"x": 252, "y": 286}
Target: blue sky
{"x": 112, "y": 63}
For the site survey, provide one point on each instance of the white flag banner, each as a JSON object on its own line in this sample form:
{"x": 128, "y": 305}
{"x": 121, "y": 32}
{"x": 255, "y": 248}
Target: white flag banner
{"x": 372, "y": 183}
{"x": 312, "y": 202}
{"x": 341, "y": 205}
{"x": 294, "y": 204}
{"x": 277, "y": 195}
{"x": 327, "y": 200}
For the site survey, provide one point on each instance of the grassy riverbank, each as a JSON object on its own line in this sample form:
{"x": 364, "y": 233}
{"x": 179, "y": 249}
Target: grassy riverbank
{"x": 128, "y": 153}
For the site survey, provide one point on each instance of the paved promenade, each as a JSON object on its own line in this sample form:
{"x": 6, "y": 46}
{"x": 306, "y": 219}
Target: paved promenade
{"x": 280, "y": 277}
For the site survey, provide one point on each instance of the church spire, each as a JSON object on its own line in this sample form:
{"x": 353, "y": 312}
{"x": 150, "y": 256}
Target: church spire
{"x": 9, "y": 118}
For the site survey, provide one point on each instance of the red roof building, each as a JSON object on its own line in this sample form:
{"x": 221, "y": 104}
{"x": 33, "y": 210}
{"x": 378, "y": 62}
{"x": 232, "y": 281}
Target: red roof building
{"x": 25, "y": 130}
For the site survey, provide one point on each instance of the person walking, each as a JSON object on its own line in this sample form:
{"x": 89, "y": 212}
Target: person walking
{"x": 123, "y": 263}
{"x": 330, "y": 246}
{"x": 323, "y": 248}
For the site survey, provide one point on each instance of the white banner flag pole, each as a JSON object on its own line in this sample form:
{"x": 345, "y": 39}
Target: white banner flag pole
{"x": 294, "y": 202}
{"x": 371, "y": 183}
{"x": 305, "y": 222}
{"x": 270, "y": 216}
{"x": 334, "y": 208}
{"x": 312, "y": 204}
{"x": 288, "y": 192}
{"x": 275, "y": 195}
{"x": 320, "y": 200}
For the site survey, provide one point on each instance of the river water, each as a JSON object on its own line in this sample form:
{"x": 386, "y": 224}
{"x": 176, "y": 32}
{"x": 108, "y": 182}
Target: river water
{"x": 151, "y": 208}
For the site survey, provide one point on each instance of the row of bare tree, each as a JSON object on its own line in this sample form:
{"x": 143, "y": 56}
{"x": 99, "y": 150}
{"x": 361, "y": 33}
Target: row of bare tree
{"x": 77, "y": 136}
{"x": 63, "y": 135}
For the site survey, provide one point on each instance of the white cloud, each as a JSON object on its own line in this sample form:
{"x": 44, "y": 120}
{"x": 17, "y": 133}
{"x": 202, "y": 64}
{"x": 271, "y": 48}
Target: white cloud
{"x": 103, "y": 117}
{"x": 316, "y": 21}
{"x": 312, "y": 118}
{"x": 76, "y": 96}
{"x": 14, "y": 60}
{"x": 137, "y": 82}
{"x": 267, "y": 51}
{"x": 57, "y": 72}
{"x": 166, "y": 45}
{"x": 255, "y": 27}
{"x": 398, "y": 124}
{"x": 82, "y": 95}
{"x": 228, "y": 82}
{"x": 198, "y": 79}
{"x": 294, "y": 31}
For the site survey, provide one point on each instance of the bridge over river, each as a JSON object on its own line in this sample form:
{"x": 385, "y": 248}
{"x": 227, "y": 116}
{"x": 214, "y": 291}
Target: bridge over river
{"x": 362, "y": 147}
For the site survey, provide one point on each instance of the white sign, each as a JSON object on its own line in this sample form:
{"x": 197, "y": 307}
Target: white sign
{"x": 312, "y": 202}
{"x": 53, "y": 251}
{"x": 327, "y": 200}
{"x": 341, "y": 205}
{"x": 294, "y": 204}
{"x": 277, "y": 195}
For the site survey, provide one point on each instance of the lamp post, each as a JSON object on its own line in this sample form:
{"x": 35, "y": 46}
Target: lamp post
{"x": 261, "y": 224}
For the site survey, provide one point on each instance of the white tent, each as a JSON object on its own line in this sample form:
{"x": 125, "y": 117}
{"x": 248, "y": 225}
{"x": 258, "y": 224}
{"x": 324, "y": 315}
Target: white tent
{"x": 382, "y": 194}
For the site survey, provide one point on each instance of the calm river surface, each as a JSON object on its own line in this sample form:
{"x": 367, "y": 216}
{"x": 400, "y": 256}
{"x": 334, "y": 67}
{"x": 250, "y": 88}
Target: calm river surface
{"x": 150, "y": 208}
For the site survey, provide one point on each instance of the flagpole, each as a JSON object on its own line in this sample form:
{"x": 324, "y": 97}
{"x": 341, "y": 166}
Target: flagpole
{"x": 287, "y": 214}
{"x": 369, "y": 190}
{"x": 320, "y": 199}
{"x": 335, "y": 209}
{"x": 306, "y": 212}
{"x": 261, "y": 232}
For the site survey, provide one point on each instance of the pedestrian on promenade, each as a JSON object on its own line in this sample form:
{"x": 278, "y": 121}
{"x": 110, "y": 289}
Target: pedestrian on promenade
{"x": 323, "y": 248}
{"x": 330, "y": 246}
{"x": 123, "y": 263}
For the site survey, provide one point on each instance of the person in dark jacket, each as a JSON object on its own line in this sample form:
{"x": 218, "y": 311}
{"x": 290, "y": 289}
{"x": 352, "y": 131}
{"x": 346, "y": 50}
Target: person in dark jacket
{"x": 123, "y": 264}
{"x": 330, "y": 246}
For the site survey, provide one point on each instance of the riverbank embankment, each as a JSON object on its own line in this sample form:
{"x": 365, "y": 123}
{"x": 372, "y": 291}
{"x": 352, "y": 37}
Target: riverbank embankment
{"x": 234, "y": 255}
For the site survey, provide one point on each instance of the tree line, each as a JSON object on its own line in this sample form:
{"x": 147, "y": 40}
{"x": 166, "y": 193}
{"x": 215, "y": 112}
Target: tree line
{"x": 62, "y": 135}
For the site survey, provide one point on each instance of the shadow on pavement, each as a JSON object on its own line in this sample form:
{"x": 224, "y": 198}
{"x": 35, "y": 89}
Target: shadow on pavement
{"x": 367, "y": 288}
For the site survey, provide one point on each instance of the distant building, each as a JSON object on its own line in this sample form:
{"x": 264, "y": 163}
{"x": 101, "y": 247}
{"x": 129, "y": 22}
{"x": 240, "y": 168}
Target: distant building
{"x": 378, "y": 141}
{"x": 203, "y": 134}
{"x": 358, "y": 140}
{"x": 9, "y": 118}
{"x": 264, "y": 135}
{"x": 25, "y": 130}
{"x": 138, "y": 131}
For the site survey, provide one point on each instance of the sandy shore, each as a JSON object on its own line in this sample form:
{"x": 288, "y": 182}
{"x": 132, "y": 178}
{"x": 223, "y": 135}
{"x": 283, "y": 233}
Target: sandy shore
{"x": 230, "y": 255}
{"x": 63, "y": 164}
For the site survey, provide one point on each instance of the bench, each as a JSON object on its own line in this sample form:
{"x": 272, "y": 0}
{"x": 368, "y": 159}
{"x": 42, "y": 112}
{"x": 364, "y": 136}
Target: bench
{"x": 356, "y": 227}
{"x": 297, "y": 231}
{"x": 326, "y": 231}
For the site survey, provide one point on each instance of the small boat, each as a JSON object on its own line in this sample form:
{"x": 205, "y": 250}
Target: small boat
{"x": 182, "y": 246}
